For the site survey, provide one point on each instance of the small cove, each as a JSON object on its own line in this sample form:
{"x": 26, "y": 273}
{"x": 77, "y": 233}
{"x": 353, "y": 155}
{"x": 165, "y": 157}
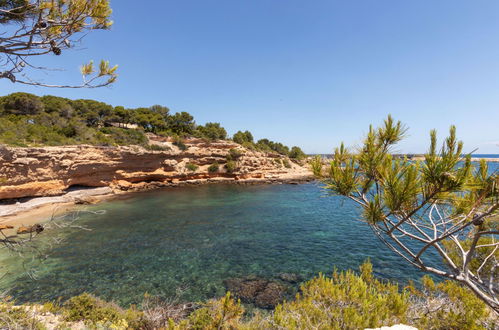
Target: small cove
{"x": 187, "y": 241}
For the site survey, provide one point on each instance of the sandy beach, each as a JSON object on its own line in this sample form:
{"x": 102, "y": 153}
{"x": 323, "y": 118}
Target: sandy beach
{"x": 40, "y": 209}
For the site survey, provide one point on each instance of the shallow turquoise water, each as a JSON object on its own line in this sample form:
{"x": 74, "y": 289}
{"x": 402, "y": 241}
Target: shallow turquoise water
{"x": 196, "y": 237}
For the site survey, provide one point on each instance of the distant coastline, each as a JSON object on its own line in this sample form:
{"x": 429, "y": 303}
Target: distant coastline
{"x": 493, "y": 158}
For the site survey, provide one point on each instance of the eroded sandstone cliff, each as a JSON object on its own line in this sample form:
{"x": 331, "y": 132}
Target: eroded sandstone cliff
{"x": 49, "y": 171}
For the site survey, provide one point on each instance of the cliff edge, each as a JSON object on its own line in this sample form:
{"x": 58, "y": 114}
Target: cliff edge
{"x": 50, "y": 171}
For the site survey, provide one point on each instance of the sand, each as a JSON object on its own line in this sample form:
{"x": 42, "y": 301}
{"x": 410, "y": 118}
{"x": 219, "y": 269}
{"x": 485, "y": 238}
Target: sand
{"x": 39, "y": 209}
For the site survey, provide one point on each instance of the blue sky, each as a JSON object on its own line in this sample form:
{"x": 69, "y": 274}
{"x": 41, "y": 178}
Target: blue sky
{"x": 307, "y": 73}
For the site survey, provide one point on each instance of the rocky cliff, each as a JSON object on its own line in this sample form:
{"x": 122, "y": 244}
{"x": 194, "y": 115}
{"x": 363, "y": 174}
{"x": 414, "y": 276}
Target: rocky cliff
{"x": 49, "y": 171}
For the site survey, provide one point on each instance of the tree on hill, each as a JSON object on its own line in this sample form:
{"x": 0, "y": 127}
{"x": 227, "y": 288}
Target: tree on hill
{"x": 122, "y": 116}
{"x": 181, "y": 123}
{"x": 243, "y": 137}
{"x": 60, "y": 105}
{"x": 36, "y": 28}
{"x": 267, "y": 145}
{"x": 296, "y": 153}
{"x": 212, "y": 131}
{"x": 21, "y": 104}
{"x": 94, "y": 112}
{"x": 161, "y": 110}
{"x": 27, "y": 119}
{"x": 149, "y": 120}
{"x": 440, "y": 215}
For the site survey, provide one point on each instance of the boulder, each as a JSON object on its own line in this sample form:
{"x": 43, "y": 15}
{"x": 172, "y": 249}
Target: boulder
{"x": 260, "y": 292}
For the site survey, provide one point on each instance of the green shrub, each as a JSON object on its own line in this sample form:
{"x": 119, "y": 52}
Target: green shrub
{"x": 15, "y": 317}
{"x": 234, "y": 154}
{"x": 191, "y": 167}
{"x": 297, "y": 153}
{"x": 53, "y": 307}
{"x": 213, "y": 168}
{"x": 286, "y": 163}
{"x": 249, "y": 145}
{"x": 179, "y": 142}
{"x": 211, "y": 131}
{"x": 92, "y": 310}
{"x": 123, "y": 136}
{"x": 269, "y": 146}
{"x": 243, "y": 137}
{"x": 344, "y": 301}
{"x": 452, "y": 306}
{"x": 230, "y": 166}
{"x": 157, "y": 147}
{"x": 316, "y": 165}
{"x": 224, "y": 313}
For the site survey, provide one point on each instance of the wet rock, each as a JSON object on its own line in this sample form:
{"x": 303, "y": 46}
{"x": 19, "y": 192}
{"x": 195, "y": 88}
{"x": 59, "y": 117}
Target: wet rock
{"x": 290, "y": 278}
{"x": 271, "y": 295}
{"x": 260, "y": 292}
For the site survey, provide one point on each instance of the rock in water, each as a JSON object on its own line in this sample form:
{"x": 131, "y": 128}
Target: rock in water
{"x": 260, "y": 292}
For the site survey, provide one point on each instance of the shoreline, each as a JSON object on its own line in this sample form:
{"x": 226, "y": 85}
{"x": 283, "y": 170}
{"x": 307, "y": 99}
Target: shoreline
{"x": 30, "y": 211}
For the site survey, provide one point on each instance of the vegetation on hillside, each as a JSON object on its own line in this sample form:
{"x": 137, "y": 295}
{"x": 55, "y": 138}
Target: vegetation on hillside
{"x": 346, "y": 300}
{"x": 246, "y": 139}
{"x": 27, "y": 119}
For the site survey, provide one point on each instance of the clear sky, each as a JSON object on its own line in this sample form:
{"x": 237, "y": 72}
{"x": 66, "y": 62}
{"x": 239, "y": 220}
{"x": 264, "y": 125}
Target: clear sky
{"x": 307, "y": 73}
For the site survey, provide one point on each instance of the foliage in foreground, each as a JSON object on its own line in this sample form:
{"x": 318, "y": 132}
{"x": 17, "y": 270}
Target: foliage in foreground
{"x": 350, "y": 301}
{"x": 13, "y": 317}
{"x": 94, "y": 311}
{"x": 346, "y": 300}
{"x": 439, "y": 214}
{"x": 37, "y": 28}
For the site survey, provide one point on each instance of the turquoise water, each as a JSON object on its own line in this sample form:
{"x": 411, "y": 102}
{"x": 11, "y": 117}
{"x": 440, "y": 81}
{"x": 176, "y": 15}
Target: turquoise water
{"x": 194, "y": 238}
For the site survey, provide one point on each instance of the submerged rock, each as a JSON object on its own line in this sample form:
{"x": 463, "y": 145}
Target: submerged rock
{"x": 270, "y": 296}
{"x": 290, "y": 278}
{"x": 260, "y": 292}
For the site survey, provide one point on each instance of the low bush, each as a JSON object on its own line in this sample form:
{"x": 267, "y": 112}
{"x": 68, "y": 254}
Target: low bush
{"x": 448, "y": 305}
{"x": 249, "y": 145}
{"x": 296, "y": 153}
{"x": 224, "y": 313}
{"x": 316, "y": 165}
{"x": 213, "y": 168}
{"x": 350, "y": 300}
{"x": 230, "y": 166}
{"x": 94, "y": 311}
{"x": 157, "y": 147}
{"x": 234, "y": 154}
{"x": 16, "y": 317}
{"x": 191, "y": 167}
{"x": 179, "y": 142}
{"x": 123, "y": 136}
{"x": 286, "y": 163}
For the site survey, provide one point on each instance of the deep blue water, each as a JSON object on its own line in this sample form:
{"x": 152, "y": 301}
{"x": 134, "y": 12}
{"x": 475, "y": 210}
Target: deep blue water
{"x": 196, "y": 237}
{"x": 486, "y": 155}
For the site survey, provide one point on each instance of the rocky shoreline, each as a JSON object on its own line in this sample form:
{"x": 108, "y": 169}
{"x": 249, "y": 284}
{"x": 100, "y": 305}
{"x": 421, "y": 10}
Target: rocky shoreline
{"x": 27, "y": 211}
{"x": 34, "y": 179}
